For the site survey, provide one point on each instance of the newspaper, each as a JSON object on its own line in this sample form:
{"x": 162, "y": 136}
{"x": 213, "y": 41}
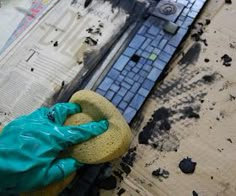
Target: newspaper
{"x": 50, "y": 54}
{"x": 16, "y": 16}
{"x": 10, "y": 18}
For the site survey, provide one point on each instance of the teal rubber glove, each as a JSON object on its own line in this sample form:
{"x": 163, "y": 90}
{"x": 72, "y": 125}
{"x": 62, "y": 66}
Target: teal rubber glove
{"x": 29, "y": 147}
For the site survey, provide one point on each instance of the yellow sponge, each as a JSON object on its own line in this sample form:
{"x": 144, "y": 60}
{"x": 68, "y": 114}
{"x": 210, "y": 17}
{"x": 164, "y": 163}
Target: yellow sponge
{"x": 106, "y": 147}
{"x": 51, "y": 189}
{"x": 111, "y": 144}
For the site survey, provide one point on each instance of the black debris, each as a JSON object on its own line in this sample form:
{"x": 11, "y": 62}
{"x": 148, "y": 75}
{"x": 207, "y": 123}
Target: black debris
{"x": 161, "y": 173}
{"x": 32, "y": 69}
{"x": 189, "y": 113}
{"x": 196, "y": 37}
{"x": 135, "y": 58}
{"x": 208, "y": 21}
{"x": 101, "y": 25}
{"x": 187, "y": 166}
{"x": 93, "y": 191}
{"x": 73, "y": 2}
{"x": 212, "y": 177}
{"x": 90, "y": 41}
{"x": 222, "y": 115}
{"x": 118, "y": 174}
{"x": 63, "y": 83}
{"x": 228, "y": 1}
{"x": 194, "y": 115}
{"x": 55, "y": 44}
{"x": 129, "y": 158}
{"x": 106, "y": 171}
{"x": 126, "y": 168}
{"x": 232, "y": 45}
{"x": 200, "y": 23}
{"x": 232, "y": 97}
{"x": 146, "y": 134}
{"x": 200, "y": 28}
{"x": 205, "y": 42}
{"x": 191, "y": 55}
{"x": 154, "y": 145}
{"x": 209, "y": 78}
{"x": 78, "y": 16}
{"x": 165, "y": 125}
{"x": 207, "y": 60}
{"x": 198, "y": 32}
{"x": 89, "y": 30}
{"x": 161, "y": 115}
{"x": 94, "y": 31}
{"x": 218, "y": 119}
{"x": 121, "y": 191}
{"x": 228, "y": 139}
{"x": 108, "y": 183}
{"x": 194, "y": 193}
{"x": 87, "y": 3}
{"x": 226, "y": 60}
{"x": 227, "y": 64}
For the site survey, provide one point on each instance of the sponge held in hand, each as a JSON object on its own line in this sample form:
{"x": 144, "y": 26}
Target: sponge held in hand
{"x": 111, "y": 144}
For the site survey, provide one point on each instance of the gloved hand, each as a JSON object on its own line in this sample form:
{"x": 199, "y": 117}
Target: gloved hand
{"x": 30, "y": 144}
